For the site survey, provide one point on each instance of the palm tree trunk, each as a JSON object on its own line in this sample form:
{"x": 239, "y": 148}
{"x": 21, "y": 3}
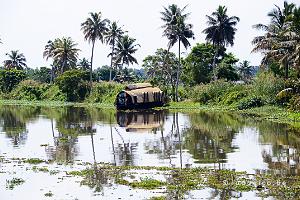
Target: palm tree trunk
{"x": 286, "y": 68}
{"x": 91, "y": 68}
{"x": 52, "y": 76}
{"x": 111, "y": 60}
{"x": 214, "y": 64}
{"x": 172, "y": 85}
{"x": 177, "y": 72}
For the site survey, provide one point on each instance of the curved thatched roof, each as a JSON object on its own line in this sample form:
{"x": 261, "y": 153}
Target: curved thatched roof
{"x": 139, "y": 93}
{"x": 137, "y": 86}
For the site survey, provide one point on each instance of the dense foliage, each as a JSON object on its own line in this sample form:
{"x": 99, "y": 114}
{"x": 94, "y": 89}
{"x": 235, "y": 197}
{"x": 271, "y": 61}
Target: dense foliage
{"x": 10, "y": 79}
{"x": 74, "y": 84}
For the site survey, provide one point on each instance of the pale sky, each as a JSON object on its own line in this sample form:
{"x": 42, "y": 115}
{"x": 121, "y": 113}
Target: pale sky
{"x": 27, "y": 25}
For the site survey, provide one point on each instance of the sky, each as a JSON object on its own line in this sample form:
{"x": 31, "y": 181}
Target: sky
{"x": 27, "y": 25}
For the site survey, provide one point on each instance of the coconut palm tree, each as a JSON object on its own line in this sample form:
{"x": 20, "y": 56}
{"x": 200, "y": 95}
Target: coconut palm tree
{"x": 220, "y": 31}
{"x": 16, "y": 60}
{"x": 125, "y": 48}
{"x": 245, "y": 70}
{"x": 113, "y": 34}
{"x": 296, "y": 20}
{"x": 280, "y": 16}
{"x": 94, "y": 28}
{"x": 65, "y": 53}
{"x": 170, "y": 14}
{"x": 49, "y": 53}
{"x": 49, "y": 50}
{"x": 280, "y": 41}
{"x": 84, "y": 64}
{"x": 177, "y": 30}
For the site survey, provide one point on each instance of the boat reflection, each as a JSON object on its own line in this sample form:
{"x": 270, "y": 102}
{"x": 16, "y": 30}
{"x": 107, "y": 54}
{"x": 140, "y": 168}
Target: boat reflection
{"x": 141, "y": 121}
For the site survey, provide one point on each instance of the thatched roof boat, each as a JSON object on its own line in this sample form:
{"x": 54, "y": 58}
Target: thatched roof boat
{"x": 139, "y": 95}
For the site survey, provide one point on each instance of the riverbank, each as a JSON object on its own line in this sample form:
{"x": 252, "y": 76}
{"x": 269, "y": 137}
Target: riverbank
{"x": 267, "y": 112}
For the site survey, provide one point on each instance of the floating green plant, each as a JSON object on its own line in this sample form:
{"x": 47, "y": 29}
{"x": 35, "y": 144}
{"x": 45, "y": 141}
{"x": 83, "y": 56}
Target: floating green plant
{"x": 11, "y": 184}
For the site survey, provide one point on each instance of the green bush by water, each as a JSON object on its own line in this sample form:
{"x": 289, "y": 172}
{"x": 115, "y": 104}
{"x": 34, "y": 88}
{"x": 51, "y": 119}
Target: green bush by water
{"x": 74, "y": 84}
{"x": 104, "y": 92}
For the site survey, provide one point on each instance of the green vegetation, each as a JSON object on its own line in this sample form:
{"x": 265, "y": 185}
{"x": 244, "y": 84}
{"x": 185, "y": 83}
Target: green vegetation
{"x": 9, "y": 79}
{"x": 11, "y": 184}
{"x": 48, "y": 194}
{"x": 34, "y": 161}
{"x": 180, "y": 181}
{"x": 74, "y": 84}
{"x": 144, "y": 183}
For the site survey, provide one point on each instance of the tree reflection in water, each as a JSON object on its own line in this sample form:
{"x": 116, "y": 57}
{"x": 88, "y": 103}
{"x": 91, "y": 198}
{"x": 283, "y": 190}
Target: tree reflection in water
{"x": 207, "y": 138}
{"x": 284, "y": 157}
{"x": 13, "y": 121}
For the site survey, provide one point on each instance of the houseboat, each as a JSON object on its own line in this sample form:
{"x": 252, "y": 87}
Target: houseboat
{"x": 139, "y": 95}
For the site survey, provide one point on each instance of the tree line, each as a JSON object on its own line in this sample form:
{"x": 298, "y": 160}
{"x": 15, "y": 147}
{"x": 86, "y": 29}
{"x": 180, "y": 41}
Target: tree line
{"x": 209, "y": 61}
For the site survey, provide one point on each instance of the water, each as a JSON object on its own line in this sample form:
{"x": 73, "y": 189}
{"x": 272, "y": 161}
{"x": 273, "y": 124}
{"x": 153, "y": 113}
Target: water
{"x": 68, "y": 137}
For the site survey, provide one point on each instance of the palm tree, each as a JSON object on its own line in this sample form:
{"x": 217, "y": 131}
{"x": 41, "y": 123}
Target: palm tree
{"x": 177, "y": 30}
{"x": 94, "y": 28}
{"x": 84, "y": 64}
{"x": 49, "y": 53}
{"x": 49, "y": 50}
{"x": 220, "y": 31}
{"x": 280, "y": 16}
{"x": 113, "y": 34}
{"x": 125, "y": 48}
{"x": 280, "y": 41}
{"x": 16, "y": 60}
{"x": 65, "y": 53}
{"x": 245, "y": 70}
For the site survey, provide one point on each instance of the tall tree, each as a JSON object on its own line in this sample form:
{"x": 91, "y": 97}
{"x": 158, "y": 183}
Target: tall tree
{"x": 49, "y": 53}
{"x": 280, "y": 16}
{"x": 65, "y": 53}
{"x": 245, "y": 70}
{"x": 220, "y": 31}
{"x": 125, "y": 48}
{"x": 15, "y": 60}
{"x": 94, "y": 28}
{"x": 84, "y": 64}
{"x": 197, "y": 66}
{"x": 113, "y": 34}
{"x": 161, "y": 68}
{"x": 177, "y": 30}
{"x": 280, "y": 41}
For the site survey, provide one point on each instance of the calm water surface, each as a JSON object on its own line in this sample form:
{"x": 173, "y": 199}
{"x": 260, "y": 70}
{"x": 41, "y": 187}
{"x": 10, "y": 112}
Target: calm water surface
{"x": 69, "y": 136}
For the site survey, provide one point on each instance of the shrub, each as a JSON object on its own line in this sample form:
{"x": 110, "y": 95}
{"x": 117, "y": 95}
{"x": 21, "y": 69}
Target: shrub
{"x": 267, "y": 86}
{"x": 295, "y": 103}
{"x": 74, "y": 84}
{"x": 211, "y": 92}
{"x": 284, "y": 96}
{"x": 53, "y": 93}
{"x": 29, "y": 90}
{"x": 233, "y": 97}
{"x": 104, "y": 92}
{"x": 9, "y": 79}
{"x": 250, "y": 102}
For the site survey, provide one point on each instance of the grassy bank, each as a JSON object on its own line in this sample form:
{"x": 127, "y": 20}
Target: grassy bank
{"x": 267, "y": 112}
